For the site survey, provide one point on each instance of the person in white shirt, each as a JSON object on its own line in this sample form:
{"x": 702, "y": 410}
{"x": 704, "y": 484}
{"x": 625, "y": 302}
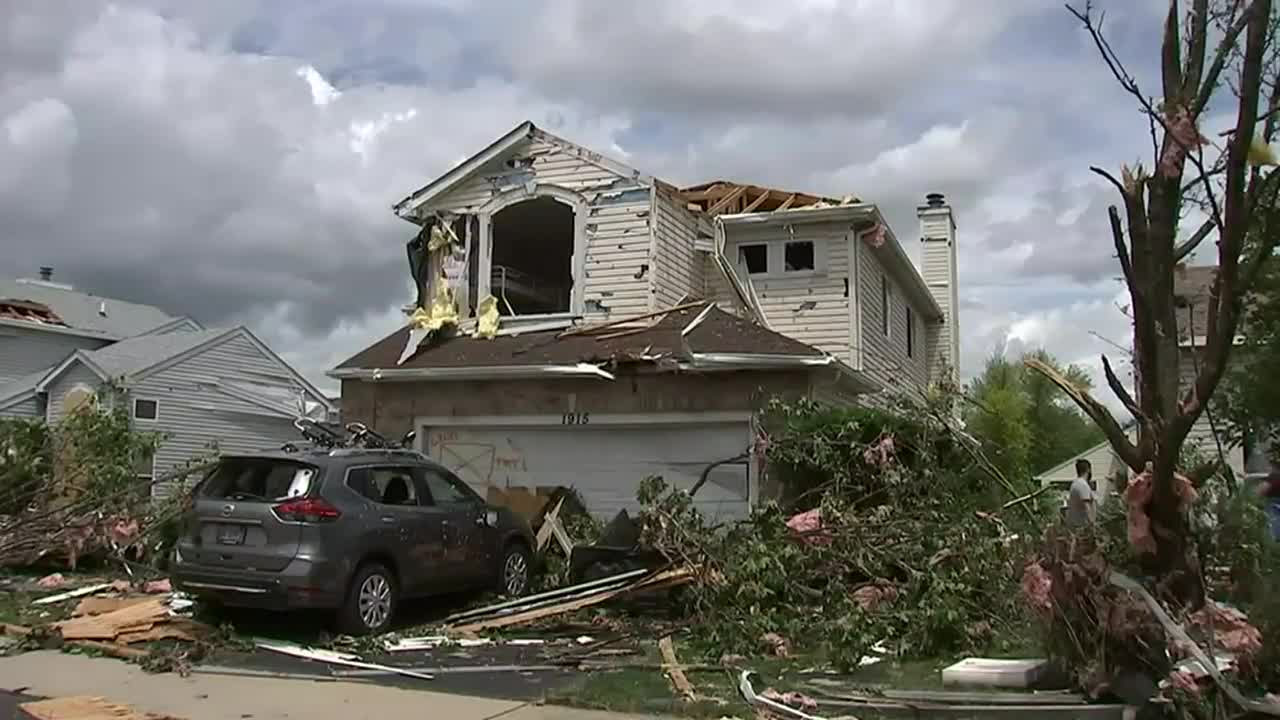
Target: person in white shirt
{"x": 1081, "y": 505}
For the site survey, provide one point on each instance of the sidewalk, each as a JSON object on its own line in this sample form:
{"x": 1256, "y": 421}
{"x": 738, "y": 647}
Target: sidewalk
{"x": 220, "y": 697}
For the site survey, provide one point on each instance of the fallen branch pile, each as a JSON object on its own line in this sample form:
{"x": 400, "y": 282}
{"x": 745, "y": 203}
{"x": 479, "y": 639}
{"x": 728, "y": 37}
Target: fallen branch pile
{"x": 888, "y": 527}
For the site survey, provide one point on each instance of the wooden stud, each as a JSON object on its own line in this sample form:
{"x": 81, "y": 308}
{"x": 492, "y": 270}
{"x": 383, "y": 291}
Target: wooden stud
{"x": 786, "y": 203}
{"x": 723, "y": 202}
{"x": 764, "y": 195}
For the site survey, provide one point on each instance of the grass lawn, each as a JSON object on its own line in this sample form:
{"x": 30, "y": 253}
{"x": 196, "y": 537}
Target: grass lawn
{"x": 649, "y": 691}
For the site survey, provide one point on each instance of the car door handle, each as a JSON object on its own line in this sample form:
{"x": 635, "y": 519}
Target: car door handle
{"x": 389, "y": 519}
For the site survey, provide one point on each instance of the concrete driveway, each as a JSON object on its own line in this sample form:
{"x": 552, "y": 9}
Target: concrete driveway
{"x": 224, "y": 697}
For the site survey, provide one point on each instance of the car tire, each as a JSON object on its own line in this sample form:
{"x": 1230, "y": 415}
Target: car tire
{"x": 515, "y": 571}
{"x": 371, "y": 602}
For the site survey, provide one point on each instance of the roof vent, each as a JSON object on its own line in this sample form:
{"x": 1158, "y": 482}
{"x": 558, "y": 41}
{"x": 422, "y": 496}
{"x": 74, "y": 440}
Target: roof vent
{"x": 102, "y": 308}
{"x": 935, "y": 199}
{"x": 46, "y": 273}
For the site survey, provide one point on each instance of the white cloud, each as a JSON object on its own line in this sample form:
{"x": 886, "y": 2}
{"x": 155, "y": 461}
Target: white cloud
{"x": 322, "y": 93}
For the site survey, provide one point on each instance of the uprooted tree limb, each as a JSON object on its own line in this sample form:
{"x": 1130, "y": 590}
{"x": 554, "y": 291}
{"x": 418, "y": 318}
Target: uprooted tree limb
{"x": 1231, "y": 193}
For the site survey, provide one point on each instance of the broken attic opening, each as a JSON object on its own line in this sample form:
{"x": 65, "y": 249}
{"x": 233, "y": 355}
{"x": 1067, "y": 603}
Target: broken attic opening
{"x": 532, "y": 268}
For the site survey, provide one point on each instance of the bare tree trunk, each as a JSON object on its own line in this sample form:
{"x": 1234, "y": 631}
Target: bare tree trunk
{"x": 1146, "y": 243}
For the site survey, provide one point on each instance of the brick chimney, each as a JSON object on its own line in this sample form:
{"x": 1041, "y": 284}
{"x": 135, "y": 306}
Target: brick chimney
{"x": 938, "y": 266}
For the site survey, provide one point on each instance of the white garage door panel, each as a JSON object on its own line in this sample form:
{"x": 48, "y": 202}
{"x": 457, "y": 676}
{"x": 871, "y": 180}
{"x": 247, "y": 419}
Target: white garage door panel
{"x": 605, "y": 464}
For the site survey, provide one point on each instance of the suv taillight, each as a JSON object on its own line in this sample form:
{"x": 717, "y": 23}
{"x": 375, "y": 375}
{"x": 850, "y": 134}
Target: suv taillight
{"x": 308, "y": 510}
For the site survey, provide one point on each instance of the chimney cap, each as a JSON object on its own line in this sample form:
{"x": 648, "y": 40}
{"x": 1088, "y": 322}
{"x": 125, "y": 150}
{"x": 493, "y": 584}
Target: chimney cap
{"x": 46, "y": 272}
{"x": 935, "y": 199}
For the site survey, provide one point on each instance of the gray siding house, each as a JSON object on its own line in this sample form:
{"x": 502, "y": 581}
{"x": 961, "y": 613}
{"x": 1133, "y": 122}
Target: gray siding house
{"x": 196, "y": 386}
{"x": 713, "y": 297}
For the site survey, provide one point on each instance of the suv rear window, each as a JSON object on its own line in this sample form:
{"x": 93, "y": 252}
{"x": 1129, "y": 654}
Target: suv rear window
{"x": 262, "y": 479}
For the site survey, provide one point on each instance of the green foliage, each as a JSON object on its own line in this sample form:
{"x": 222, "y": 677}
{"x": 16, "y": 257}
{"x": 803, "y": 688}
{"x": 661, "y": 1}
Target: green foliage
{"x": 100, "y": 454}
{"x": 25, "y": 459}
{"x": 911, "y": 550}
{"x": 1026, "y": 423}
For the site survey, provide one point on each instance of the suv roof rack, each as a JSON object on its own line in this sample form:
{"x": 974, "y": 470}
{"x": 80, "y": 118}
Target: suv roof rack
{"x": 357, "y": 435}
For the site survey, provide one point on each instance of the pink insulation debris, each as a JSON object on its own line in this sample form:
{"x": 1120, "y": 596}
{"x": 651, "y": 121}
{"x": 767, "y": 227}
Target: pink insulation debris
{"x": 880, "y": 452}
{"x": 1138, "y": 494}
{"x": 51, "y": 582}
{"x": 1232, "y": 631}
{"x": 875, "y": 596}
{"x": 808, "y": 525}
{"x": 1037, "y": 587}
{"x": 791, "y": 699}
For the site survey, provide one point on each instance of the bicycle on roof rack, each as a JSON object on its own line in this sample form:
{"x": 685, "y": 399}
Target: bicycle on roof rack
{"x": 352, "y": 435}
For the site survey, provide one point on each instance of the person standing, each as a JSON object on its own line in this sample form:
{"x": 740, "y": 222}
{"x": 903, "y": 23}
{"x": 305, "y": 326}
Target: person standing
{"x": 1081, "y": 505}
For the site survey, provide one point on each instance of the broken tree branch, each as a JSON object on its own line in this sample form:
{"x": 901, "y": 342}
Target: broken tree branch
{"x": 1095, "y": 410}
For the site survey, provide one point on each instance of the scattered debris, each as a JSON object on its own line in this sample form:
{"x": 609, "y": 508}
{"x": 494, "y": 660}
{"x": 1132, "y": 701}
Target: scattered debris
{"x": 763, "y": 702}
{"x": 85, "y": 708}
{"x": 51, "y": 582}
{"x": 72, "y": 594}
{"x": 674, "y": 671}
{"x": 336, "y": 658}
{"x": 776, "y": 645}
{"x": 154, "y": 587}
{"x": 1004, "y": 673}
{"x": 103, "y": 605}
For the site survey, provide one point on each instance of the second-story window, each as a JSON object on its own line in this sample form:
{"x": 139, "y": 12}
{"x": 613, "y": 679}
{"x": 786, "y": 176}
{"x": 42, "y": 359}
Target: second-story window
{"x": 885, "y": 298}
{"x": 911, "y": 333}
{"x": 755, "y": 257}
{"x": 798, "y": 256}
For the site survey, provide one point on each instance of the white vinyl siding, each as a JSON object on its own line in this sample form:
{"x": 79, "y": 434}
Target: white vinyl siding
{"x": 677, "y": 267}
{"x": 24, "y": 351}
{"x": 618, "y": 236}
{"x": 885, "y": 356}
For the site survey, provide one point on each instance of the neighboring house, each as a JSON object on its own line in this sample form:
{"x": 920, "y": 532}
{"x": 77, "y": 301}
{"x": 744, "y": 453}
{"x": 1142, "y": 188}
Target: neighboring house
{"x": 1109, "y": 471}
{"x": 779, "y": 294}
{"x": 1192, "y": 285}
{"x": 196, "y": 386}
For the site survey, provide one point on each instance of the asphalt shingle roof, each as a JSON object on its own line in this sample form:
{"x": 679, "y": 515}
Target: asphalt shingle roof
{"x": 719, "y": 332}
{"x": 83, "y": 311}
{"x": 139, "y": 353}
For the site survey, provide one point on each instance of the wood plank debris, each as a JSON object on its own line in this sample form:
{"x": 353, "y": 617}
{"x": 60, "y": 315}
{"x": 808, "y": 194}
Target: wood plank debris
{"x": 674, "y": 671}
{"x": 550, "y": 595}
{"x": 72, "y": 594}
{"x": 102, "y": 605}
{"x": 83, "y": 707}
{"x": 107, "y": 626}
{"x": 336, "y": 658}
{"x": 522, "y": 615}
{"x": 544, "y": 532}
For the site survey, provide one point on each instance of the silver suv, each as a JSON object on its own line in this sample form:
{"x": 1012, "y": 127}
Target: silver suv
{"x": 353, "y": 529}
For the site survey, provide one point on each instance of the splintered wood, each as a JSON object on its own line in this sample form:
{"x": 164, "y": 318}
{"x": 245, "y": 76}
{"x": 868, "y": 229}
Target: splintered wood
{"x": 657, "y": 581}
{"x": 134, "y": 618}
{"x": 103, "y": 605}
{"x": 675, "y": 671}
{"x": 85, "y": 708}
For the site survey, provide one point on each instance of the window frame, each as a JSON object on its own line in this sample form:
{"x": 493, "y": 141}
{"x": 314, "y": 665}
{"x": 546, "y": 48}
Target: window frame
{"x": 776, "y": 257}
{"x": 374, "y": 467}
{"x": 471, "y": 497}
{"x": 133, "y": 410}
{"x": 768, "y": 258}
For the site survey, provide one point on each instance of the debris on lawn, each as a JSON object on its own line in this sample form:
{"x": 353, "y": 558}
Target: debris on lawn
{"x": 674, "y": 671}
{"x": 73, "y": 594}
{"x": 566, "y": 600}
{"x": 771, "y": 704}
{"x": 51, "y": 582}
{"x": 336, "y": 658}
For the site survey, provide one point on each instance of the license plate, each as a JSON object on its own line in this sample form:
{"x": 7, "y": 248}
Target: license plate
{"x": 231, "y": 535}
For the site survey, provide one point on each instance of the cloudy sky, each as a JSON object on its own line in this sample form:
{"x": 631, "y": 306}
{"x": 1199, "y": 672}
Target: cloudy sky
{"x": 236, "y": 160}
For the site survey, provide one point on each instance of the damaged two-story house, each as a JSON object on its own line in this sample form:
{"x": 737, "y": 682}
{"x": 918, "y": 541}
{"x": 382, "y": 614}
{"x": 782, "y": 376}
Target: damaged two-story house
{"x": 642, "y": 325}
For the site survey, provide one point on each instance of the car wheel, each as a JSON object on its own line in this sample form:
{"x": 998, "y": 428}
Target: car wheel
{"x": 371, "y": 603}
{"x": 515, "y": 571}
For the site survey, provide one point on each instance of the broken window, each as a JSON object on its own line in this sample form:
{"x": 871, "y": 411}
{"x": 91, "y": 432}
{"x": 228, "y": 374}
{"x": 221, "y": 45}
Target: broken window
{"x": 532, "y": 258}
{"x": 799, "y": 256}
{"x": 755, "y": 257}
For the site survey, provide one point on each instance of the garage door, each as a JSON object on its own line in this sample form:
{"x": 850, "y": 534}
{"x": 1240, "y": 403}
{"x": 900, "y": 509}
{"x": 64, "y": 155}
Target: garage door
{"x": 603, "y": 462}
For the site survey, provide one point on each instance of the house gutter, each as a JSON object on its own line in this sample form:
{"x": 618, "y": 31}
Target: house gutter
{"x": 746, "y": 293}
{"x": 491, "y": 372}
{"x": 754, "y": 361}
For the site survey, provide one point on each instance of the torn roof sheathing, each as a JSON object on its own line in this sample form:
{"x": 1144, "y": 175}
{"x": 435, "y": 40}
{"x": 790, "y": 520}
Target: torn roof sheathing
{"x": 718, "y": 332}
{"x": 29, "y": 311}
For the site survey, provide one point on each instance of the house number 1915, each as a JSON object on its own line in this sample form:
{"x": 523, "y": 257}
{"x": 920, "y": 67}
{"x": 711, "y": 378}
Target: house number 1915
{"x": 575, "y": 418}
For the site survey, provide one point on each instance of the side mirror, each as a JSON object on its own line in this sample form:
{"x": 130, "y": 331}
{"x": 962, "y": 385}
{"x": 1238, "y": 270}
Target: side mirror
{"x": 407, "y": 440}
